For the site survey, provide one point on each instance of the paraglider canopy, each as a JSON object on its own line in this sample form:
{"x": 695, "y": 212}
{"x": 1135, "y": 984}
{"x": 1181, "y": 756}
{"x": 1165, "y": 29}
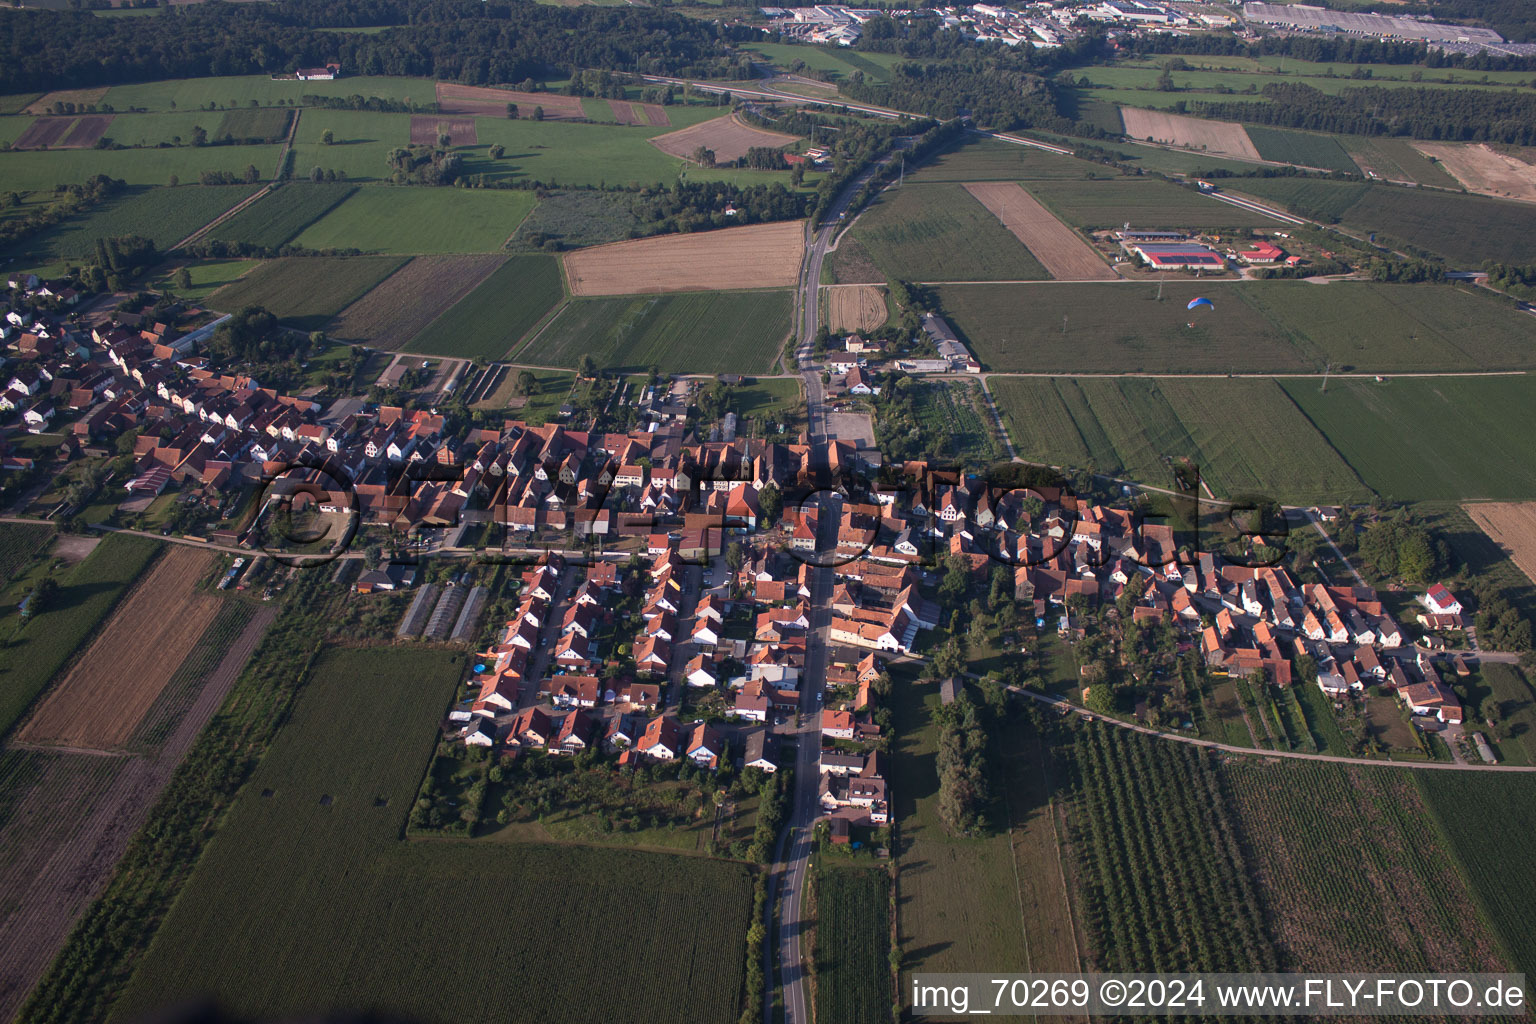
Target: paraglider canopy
{"x": 1200, "y": 302}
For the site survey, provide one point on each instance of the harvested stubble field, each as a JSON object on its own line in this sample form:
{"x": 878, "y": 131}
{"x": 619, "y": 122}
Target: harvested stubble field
{"x": 1059, "y": 249}
{"x": 306, "y": 291}
{"x": 649, "y": 114}
{"x": 1215, "y": 137}
{"x": 79, "y": 97}
{"x": 426, "y": 129}
{"x": 759, "y": 256}
{"x": 472, "y": 99}
{"x": 727, "y": 137}
{"x": 1512, "y": 526}
{"x": 1484, "y": 170}
{"x": 857, "y": 307}
{"x": 99, "y": 703}
{"x": 404, "y": 303}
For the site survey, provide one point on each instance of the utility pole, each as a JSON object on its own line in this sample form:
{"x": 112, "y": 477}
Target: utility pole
{"x": 1327, "y": 368}
{"x": 1159, "y": 289}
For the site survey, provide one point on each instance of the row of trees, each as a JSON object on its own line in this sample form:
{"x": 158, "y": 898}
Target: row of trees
{"x": 962, "y": 765}
{"x": 1465, "y": 115}
{"x": 68, "y": 200}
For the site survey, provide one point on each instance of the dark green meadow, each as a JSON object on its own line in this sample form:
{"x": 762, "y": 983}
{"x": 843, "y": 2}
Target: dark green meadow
{"x": 307, "y": 901}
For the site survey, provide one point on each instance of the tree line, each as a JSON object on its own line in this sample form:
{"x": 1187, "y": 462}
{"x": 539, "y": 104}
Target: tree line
{"x": 1327, "y": 50}
{"x": 1462, "y": 115}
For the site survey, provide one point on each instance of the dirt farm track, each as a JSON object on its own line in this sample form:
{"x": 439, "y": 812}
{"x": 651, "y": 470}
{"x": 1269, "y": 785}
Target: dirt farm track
{"x": 106, "y": 693}
{"x": 1512, "y": 526}
{"x": 758, "y": 256}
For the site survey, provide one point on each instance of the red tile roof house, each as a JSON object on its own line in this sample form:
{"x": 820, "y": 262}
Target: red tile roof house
{"x": 837, "y": 724}
{"x": 706, "y": 746}
{"x": 662, "y": 739}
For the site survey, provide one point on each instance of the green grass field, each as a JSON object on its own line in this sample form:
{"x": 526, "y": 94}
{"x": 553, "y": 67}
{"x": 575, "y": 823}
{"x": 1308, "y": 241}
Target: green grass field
{"x": 306, "y": 291}
{"x": 208, "y": 276}
{"x": 490, "y": 321}
{"x": 853, "y": 980}
{"x": 43, "y": 169}
{"x": 307, "y": 901}
{"x": 1488, "y": 823}
{"x": 163, "y": 215}
{"x": 1245, "y": 435}
{"x": 1463, "y": 228}
{"x": 1255, "y": 327}
{"x": 688, "y": 332}
{"x": 1145, "y": 203}
{"x": 275, "y": 218}
{"x": 237, "y": 91}
{"x": 989, "y": 160}
{"x": 840, "y": 62}
{"x": 942, "y": 233}
{"x": 266, "y": 124}
{"x": 1431, "y": 438}
{"x": 38, "y": 648}
{"x": 420, "y": 220}
{"x": 1396, "y": 159}
{"x": 1300, "y": 148}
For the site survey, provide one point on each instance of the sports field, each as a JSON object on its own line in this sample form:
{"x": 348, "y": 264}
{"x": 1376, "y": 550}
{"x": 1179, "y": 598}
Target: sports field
{"x": 1465, "y": 229}
{"x": 692, "y": 332}
{"x": 306, "y": 292}
{"x": 310, "y": 860}
{"x": 759, "y": 256}
{"x": 1254, "y": 327}
{"x": 275, "y": 218}
{"x": 490, "y": 321}
{"x": 420, "y": 220}
{"x": 405, "y": 302}
{"x": 1245, "y": 435}
{"x": 1301, "y": 148}
{"x": 941, "y": 233}
{"x": 1429, "y": 439}
{"x": 163, "y": 215}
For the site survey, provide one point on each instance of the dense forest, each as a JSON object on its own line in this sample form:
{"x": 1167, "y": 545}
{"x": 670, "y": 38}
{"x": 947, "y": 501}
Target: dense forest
{"x": 453, "y": 40}
{"x": 1460, "y": 115}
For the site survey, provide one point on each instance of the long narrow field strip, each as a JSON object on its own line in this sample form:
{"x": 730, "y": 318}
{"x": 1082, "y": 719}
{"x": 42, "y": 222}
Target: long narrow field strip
{"x": 1143, "y": 202}
{"x": 1215, "y": 137}
{"x": 858, "y": 307}
{"x": 403, "y": 304}
{"x": 727, "y": 137}
{"x": 696, "y": 332}
{"x": 490, "y": 321}
{"x": 1484, "y": 170}
{"x": 853, "y": 976}
{"x": 471, "y": 99}
{"x": 306, "y": 292}
{"x": 759, "y": 256}
{"x": 1059, "y": 249}
{"x": 282, "y": 213}
{"x": 420, "y": 220}
{"x": 99, "y": 703}
{"x": 425, "y": 130}
{"x": 163, "y": 215}
{"x": 1512, "y": 526}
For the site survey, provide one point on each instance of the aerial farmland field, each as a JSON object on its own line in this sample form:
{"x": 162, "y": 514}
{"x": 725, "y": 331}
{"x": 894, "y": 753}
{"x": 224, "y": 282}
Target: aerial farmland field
{"x": 310, "y": 859}
{"x": 275, "y": 218}
{"x": 43, "y": 169}
{"x": 19, "y": 543}
{"x": 1431, "y": 438}
{"x": 853, "y": 909}
{"x": 490, "y": 321}
{"x": 420, "y": 220}
{"x": 757, "y": 256}
{"x": 401, "y": 306}
{"x": 306, "y": 291}
{"x": 1301, "y": 148}
{"x": 689, "y": 332}
{"x": 1144, "y": 203}
{"x": 163, "y": 215}
{"x": 941, "y": 233}
{"x": 239, "y": 90}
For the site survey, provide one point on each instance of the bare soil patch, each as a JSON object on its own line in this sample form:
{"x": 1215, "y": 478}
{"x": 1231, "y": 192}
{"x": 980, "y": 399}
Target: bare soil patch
{"x": 45, "y": 131}
{"x": 726, "y": 136}
{"x": 404, "y": 303}
{"x": 858, "y": 428}
{"x": 1484, "y": 170}
{"x": 87, "y": 131}
{"x": 759, "y": 256}
{"x": 1059, "y": 249}
{"x": 100, "y": 701}
{"x": 426, "y": 129}
{"x": 1512, "y": 526}
{"x": 72, "y": 547}
{"x": 473, "y": 99}
{"x": 858, "y": 307}
{"x": 79, "y": 97}
{"x": 1215, "y": 137}
{"x": 627, "y": 113}
{"x": 655, "y": 115}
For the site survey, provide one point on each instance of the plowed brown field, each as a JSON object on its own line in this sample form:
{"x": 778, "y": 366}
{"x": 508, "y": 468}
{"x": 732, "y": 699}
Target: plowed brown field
{"x": 759, "y": 256}
{"x": 473, "y": 99}
{"x": 857, "y": 307}
{"x": 102, "y": 698}
{"x": 726, "y": 136}
{"x": 1512, "y": 526}
{"x": 1058, "y": 248}
{"x": 1215, "y": 137}
{"x": 401, "y": 306}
